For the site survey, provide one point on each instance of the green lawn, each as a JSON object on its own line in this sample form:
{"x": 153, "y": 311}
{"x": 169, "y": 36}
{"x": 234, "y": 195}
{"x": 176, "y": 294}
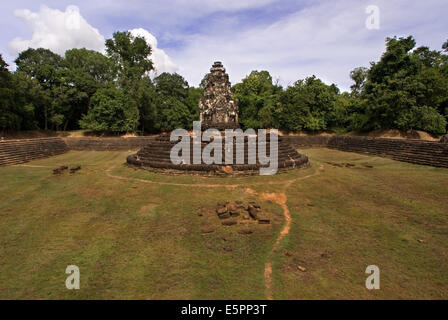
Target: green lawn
{"x": 137, "y": 235}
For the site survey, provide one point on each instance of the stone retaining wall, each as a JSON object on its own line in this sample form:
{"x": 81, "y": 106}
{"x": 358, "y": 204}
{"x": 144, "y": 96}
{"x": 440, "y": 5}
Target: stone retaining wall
{"x": 307, "y": 141}
{"x": 21, "y": 151}
{"x": 413, "y": 151}
{"x": 107, "y": 144}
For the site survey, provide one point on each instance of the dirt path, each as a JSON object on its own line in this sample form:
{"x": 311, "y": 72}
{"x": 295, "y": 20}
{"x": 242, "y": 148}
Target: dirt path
{"x": 281, "y": 199}
{"x": 207, "y": 185}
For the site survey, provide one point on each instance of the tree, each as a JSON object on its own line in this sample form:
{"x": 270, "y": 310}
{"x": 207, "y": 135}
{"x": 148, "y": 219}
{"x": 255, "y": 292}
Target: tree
{"x": 42, "y": 65}
{"x": 147, "y": 101}
{"x": 110, "y": 111}
{"x": 309, "y": 105}
{"x": 19, "y": 97}
{"x": 175, "y": 105}
{"x": 445, "y": 46}
{"x": 173, "y": 114}
{"x": 172, "y": 85}
{"x": 100, "y": 68}
{"x": 131, "y": 57}
{"x": 7, "y": 118}
{"x": 192, "y": 101}
{"x": 257, "y": 100}
{"x": 84, "y": 72}
{"x": 359, "y": 76}
{"x": 405, "y": 90}
{"x": 396, "y": 60}
{"x": 4, "y": 72}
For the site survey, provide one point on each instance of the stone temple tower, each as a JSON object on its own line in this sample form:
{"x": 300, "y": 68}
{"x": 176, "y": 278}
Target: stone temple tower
{"x": 217, "y": 108}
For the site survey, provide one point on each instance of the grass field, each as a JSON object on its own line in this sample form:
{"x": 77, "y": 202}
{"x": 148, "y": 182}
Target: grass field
{"x": 137, "y": 235}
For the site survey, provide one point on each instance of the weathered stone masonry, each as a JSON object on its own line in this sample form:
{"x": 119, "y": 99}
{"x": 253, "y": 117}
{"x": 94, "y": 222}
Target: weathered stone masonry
{"x": 21, "y": 151}
{"x": 218, "y": 110}
{"x": 413, "y": 151}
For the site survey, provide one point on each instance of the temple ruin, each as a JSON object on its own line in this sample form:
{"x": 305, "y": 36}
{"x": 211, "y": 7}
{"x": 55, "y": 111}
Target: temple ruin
{"x": 218, "y": 110}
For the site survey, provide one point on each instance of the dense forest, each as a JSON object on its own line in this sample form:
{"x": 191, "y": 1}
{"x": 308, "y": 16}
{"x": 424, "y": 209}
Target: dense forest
{"x": 406, "y": 89}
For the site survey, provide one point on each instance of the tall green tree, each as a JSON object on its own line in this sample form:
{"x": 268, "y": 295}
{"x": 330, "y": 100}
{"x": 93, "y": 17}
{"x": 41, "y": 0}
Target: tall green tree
{"x": 100, "y": 68}
{"x": 175, "y": 109}
{"x": 110, "y": 112}
{"x": 192, "y": 101}
{"x": 309, "y": 105}
{"x": 258, "y": 99}
{"x": 147, "y": 100}
{"x": 20, "y": 97}
{"x": 406, "y": 90}
{"x": 131, "y": 57}
{"x": 359, "y": 77}
{"x": 44, "y": 66}
{"x": 84, "y": 72}
{"x": 7, "y": 118}
{"x": 40, "y": 64}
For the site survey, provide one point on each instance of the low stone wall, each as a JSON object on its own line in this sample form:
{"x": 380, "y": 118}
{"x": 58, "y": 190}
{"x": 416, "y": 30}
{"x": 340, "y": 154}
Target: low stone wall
{"x": 107, "y": 144}
{"x": 307, "y": 141}
{"x": 21, "y": 151}
{"x": 413, "y": 151}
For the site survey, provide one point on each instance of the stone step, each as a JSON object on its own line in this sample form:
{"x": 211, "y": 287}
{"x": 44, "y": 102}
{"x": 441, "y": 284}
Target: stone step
{"x": 21, "y": 151}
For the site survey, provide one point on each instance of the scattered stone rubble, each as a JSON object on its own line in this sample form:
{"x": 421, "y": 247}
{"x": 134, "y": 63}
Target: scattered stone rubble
{"x": 252, "y": 210}
{"x": 75, "y": 169}
{"x": 61, "y": 170}
{"x": 235, "y": 213}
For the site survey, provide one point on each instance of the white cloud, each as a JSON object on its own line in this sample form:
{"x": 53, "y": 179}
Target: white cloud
{"x": 327, "y": 39}
{"x": 162, "y": 62}
{"x": 58, "y": 31}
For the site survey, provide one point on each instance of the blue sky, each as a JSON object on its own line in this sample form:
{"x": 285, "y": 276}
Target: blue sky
{"x": 291, "y": 38}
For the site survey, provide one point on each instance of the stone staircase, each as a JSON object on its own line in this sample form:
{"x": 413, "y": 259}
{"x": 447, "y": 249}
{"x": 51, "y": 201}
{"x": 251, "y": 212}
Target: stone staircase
{"x": 21, "y": 151}
{"x": 155, "y": 150}
{"x": 413, "y": 151}
{"x": 156, "y": 154}
{"x": 107, "y": 143}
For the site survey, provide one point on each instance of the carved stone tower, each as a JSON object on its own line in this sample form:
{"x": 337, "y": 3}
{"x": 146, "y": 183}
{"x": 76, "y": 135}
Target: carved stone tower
{"x": 217, "y": 108}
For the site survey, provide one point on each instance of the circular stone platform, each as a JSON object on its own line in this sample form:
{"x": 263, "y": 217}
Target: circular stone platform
{"x": 156, "y": 155}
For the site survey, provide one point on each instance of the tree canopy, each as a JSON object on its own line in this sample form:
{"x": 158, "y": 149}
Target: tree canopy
{"x": 113, "y": 92}
{"x": 406, "y": 89}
